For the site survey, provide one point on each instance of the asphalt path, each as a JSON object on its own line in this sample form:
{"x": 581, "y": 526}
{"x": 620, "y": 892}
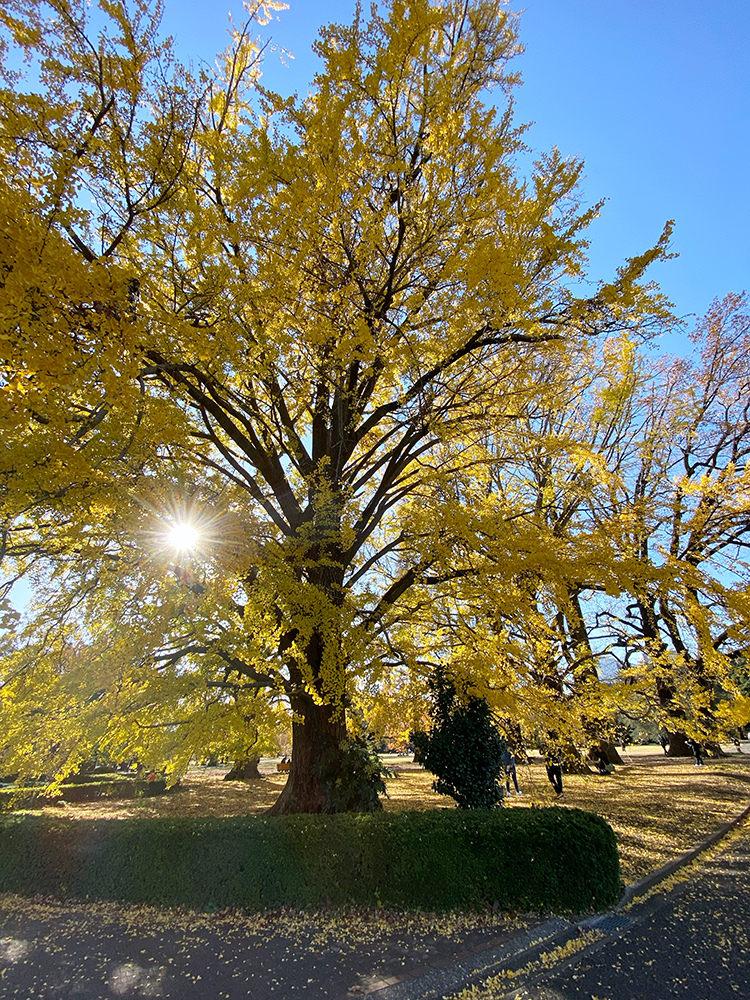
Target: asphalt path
{"x": 103, "y": 951}
{"x": 692, "y": 943}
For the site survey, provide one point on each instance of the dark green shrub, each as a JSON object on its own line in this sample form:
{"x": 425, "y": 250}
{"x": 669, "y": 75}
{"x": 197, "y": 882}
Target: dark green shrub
{"x": 463, "y": 747}
{"x": 352, "y": 775}
{"x": 521, "y": 859}
{"x": 20, "y": 798}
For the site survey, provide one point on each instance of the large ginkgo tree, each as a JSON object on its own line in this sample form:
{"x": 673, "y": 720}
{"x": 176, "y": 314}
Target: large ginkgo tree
{"x": 256, "y": 357}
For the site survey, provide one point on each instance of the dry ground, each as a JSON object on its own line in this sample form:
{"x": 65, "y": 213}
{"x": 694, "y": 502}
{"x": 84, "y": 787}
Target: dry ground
{"x": 658, "y": 807}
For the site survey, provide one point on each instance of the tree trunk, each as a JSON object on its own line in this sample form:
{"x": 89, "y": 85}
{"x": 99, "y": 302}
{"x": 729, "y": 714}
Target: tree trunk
{"x": 245, "y": 769}
{"x": 677, "y": 745}
{"x": 613, "y": 756}
{"x": 318, "y": 730}
{"x": 304, "y": 791}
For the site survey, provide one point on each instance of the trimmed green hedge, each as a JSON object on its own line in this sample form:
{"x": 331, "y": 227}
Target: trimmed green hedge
{"x": 563, "y": 860}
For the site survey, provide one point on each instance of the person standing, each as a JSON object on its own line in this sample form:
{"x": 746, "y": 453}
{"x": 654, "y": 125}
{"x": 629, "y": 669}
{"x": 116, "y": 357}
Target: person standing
{"x": 509, "y": 763}
{"x": 554, "y": 771}
{"x": 697, "y": 751}
{"x": 599, "y": 757}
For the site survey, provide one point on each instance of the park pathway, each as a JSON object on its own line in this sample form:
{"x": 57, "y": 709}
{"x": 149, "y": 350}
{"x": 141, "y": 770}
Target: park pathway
{"x": 96, "y": 951}
{"x": 692, "y": 943}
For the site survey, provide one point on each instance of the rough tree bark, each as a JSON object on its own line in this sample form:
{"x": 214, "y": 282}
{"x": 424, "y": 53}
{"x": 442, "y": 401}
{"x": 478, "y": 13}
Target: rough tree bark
{"x": 677, "y": 745}
{"x": 613, "y": 755}
{"x": 320, "y": 725}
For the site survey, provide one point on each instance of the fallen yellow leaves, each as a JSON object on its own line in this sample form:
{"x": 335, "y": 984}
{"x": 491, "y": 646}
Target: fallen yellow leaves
{"x": 495, "y": 987}
{"x": 687, "y": 871}
{"x": 346, "y": 929}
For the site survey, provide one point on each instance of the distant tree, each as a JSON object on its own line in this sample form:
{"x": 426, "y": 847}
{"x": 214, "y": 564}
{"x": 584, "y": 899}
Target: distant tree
{"x": 463, "y": 747}
{"x": 679, "y": 516}
{"x": 244, "y": 769}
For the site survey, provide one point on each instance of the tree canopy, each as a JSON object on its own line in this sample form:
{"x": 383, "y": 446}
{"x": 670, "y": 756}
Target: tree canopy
{"x": 330, "y": 335}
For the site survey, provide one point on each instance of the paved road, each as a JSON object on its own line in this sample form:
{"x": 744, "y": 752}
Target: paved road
{"x": 696, "y": 946}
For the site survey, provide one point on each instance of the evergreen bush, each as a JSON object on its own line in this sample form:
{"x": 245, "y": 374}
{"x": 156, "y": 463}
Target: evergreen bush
{"x": 463, "y": 747}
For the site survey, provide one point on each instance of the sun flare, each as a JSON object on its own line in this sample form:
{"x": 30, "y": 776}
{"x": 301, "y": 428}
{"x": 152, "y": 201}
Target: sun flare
{"x": 183, "y": 537}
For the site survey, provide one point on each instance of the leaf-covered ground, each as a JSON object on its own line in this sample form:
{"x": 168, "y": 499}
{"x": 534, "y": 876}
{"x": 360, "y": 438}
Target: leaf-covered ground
{"x": 658, "y": 807}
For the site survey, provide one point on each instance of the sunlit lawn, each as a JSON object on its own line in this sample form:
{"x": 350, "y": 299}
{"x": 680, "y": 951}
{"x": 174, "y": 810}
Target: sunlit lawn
{"x": 658, "y": 807}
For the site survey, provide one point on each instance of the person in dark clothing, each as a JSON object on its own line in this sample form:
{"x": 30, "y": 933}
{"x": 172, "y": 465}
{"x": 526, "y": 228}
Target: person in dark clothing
{"x": 600, "y": 760}
{"x": 697, "y": 751}
{"x": 509, "y": 765}
{"x": 549, "y": 747}
{"x": 554, "y": 772}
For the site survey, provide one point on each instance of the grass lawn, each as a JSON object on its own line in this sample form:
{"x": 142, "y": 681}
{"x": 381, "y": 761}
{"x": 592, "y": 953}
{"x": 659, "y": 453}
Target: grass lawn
{"x": 658, "y": 807}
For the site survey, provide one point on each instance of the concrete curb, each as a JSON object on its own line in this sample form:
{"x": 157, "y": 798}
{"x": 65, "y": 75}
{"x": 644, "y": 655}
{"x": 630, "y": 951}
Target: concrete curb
{"x": 435, "y": 984}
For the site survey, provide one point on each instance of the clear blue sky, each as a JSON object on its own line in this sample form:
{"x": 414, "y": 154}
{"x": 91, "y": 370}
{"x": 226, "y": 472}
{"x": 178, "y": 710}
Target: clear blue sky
{"x": 653, "y": 94}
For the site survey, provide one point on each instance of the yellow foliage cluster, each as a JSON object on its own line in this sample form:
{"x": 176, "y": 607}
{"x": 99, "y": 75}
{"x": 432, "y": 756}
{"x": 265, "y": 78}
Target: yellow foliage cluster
{"x": 344, "y": 338}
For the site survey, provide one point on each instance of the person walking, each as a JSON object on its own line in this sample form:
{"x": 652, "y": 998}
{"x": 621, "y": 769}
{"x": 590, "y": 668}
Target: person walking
{"x": 509, "y": 763}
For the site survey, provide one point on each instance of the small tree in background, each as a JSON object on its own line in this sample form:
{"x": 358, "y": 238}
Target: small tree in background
{"x": 463, "y": 747}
